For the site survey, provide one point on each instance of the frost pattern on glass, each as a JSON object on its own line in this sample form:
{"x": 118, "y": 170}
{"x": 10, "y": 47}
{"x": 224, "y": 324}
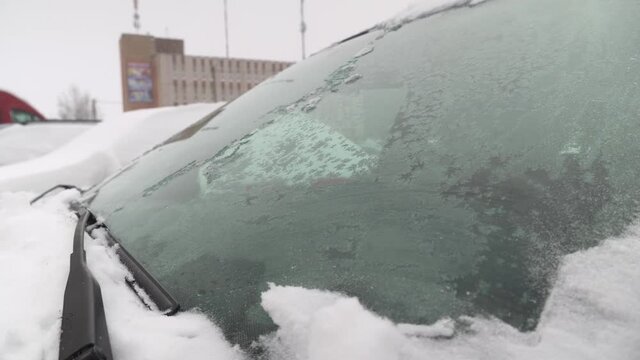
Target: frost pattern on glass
{"x": 293, "y": 150}
{"x": 450, "y": 180}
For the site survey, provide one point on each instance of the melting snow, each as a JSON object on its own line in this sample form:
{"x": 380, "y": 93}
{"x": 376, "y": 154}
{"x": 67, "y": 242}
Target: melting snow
{"x": 593, "y": 311}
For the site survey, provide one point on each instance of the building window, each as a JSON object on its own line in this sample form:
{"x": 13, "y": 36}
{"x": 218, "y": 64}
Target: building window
{"x": 213, "y": 91}
{"x": 182, "y": 61}
{"x": 273, "y": 68}
{"x": 175, "y": 90}
{"x": 264, "y": 68}
{"x": 238, "y": 89}
{"x": 195, "y": 90}
{"x": 184, "y": 90}
{"x": 223, "y": 91}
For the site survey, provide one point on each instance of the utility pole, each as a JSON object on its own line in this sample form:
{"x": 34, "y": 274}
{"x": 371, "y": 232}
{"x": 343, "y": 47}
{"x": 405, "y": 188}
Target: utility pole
{"x": 136, "y": 16}
{"x": 226, "y": 28}
{"x": 303, "y": 29}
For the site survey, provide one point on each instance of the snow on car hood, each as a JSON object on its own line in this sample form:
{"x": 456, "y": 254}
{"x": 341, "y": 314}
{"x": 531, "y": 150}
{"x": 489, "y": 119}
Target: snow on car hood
{"x": 24, "y": 142}
{"x": 592, "y": 313}
{"x": 103, "y": 149}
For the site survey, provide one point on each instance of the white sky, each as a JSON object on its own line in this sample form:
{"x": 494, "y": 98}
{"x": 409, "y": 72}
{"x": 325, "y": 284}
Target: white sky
{"x": 47, "y": 45}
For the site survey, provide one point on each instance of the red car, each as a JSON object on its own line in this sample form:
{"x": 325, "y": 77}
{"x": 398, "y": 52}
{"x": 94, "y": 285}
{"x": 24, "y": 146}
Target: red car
{"x": 15, "y": 110}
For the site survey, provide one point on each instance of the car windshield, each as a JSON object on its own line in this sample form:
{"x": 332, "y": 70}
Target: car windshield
{"x": 432, "y": 168}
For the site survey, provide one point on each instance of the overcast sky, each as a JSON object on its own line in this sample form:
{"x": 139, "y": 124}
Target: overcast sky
{"x": 47, "y": 45}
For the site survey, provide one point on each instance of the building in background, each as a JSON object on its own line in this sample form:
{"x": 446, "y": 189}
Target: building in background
{"x": 156, "y": 72}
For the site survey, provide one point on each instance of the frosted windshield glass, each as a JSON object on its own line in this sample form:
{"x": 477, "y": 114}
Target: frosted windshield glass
{"x": 442, "y": 168}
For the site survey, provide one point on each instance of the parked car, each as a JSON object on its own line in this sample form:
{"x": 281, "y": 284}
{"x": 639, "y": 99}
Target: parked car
{"x": 15, "y": 110}
{"x": 433, "y": 167}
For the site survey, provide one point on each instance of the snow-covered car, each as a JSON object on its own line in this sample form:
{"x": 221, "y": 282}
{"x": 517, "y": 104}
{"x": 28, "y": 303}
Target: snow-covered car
{"x": 457, "y": 183}
{"x": 23, "y": 142}
{"x": 93, "y": 155}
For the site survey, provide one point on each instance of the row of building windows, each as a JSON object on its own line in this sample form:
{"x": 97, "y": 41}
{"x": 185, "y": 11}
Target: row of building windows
{"x": 200, "y": 90}
{"x": 228, "y": 65}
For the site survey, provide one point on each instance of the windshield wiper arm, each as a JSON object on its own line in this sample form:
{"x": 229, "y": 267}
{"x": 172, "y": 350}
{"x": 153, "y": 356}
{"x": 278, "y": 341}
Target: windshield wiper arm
{"x": 84, "y": 326}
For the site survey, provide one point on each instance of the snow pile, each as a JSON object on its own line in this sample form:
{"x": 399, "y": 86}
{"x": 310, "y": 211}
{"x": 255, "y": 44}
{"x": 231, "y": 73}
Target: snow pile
{"x": 593, "y": 312}
{"x": 102, "y": 150}
{"x": 20, "y": 142}
{"x": 34, "y": 264}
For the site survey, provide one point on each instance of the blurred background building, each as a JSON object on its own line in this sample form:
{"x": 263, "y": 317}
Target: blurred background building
{"x": 156, "y": 72}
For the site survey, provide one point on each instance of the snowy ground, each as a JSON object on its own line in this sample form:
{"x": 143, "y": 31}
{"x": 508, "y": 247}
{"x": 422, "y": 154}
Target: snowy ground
{"x": 593, "y": 312}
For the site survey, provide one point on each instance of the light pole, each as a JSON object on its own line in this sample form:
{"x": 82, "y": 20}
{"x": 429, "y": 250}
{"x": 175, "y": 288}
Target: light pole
{"x": 303, "y": 29}
{"x": 136, "y": 16}
{"x": 226, "y": 28}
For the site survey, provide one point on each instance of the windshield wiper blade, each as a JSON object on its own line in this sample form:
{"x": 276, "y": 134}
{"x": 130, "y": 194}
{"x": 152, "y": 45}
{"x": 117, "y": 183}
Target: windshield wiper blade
{"x": 142, "y": 279}
{"x": 84, "y": 326}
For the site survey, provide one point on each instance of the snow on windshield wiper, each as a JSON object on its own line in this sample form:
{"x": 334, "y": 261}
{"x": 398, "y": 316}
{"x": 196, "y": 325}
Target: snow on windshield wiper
{"x": 46, "y": 192}
{"x": 84, "y": 328}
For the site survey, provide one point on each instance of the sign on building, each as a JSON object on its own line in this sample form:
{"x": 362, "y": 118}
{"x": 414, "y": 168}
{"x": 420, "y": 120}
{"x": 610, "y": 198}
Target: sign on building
{"x": 139, "y": 82}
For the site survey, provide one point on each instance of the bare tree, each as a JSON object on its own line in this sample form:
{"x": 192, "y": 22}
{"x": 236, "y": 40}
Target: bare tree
{"x": 76, "y": 104}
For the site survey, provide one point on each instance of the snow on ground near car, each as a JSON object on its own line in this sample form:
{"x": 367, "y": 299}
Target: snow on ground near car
{"x": 35, "y": 243}
{"x": 593, "y": 312}
{"x": 103, "y": 149}
{"x": 23, "y": 142}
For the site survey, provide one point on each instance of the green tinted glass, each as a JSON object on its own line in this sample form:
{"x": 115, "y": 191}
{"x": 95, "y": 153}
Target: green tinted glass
{"x": 438, "y": 169}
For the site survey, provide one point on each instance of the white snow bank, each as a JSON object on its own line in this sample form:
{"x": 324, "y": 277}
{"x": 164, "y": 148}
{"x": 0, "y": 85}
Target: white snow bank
{"x": 102, "y": 150}
{"x": 35, "y": 243}
{"x": 593, "y": 312}
{"x": 20, "y": 142}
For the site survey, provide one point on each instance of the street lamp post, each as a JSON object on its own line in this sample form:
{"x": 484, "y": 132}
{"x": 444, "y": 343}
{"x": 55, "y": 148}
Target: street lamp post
{"x": 303, "y": 29}
{"x": 226, "y": 28}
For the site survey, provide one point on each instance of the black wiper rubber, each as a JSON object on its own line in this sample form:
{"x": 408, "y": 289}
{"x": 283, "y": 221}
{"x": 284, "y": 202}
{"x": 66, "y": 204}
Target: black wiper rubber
{"x": 84, "y": 327}
{"x": 160, "y": 297}
{"x": 141, "y": 279}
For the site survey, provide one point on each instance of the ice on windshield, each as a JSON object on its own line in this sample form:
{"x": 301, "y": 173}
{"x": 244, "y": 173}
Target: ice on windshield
{"x": 424, "y": 8}
{"x": 294, "y": 150}
{"x": 593, "y": 311}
